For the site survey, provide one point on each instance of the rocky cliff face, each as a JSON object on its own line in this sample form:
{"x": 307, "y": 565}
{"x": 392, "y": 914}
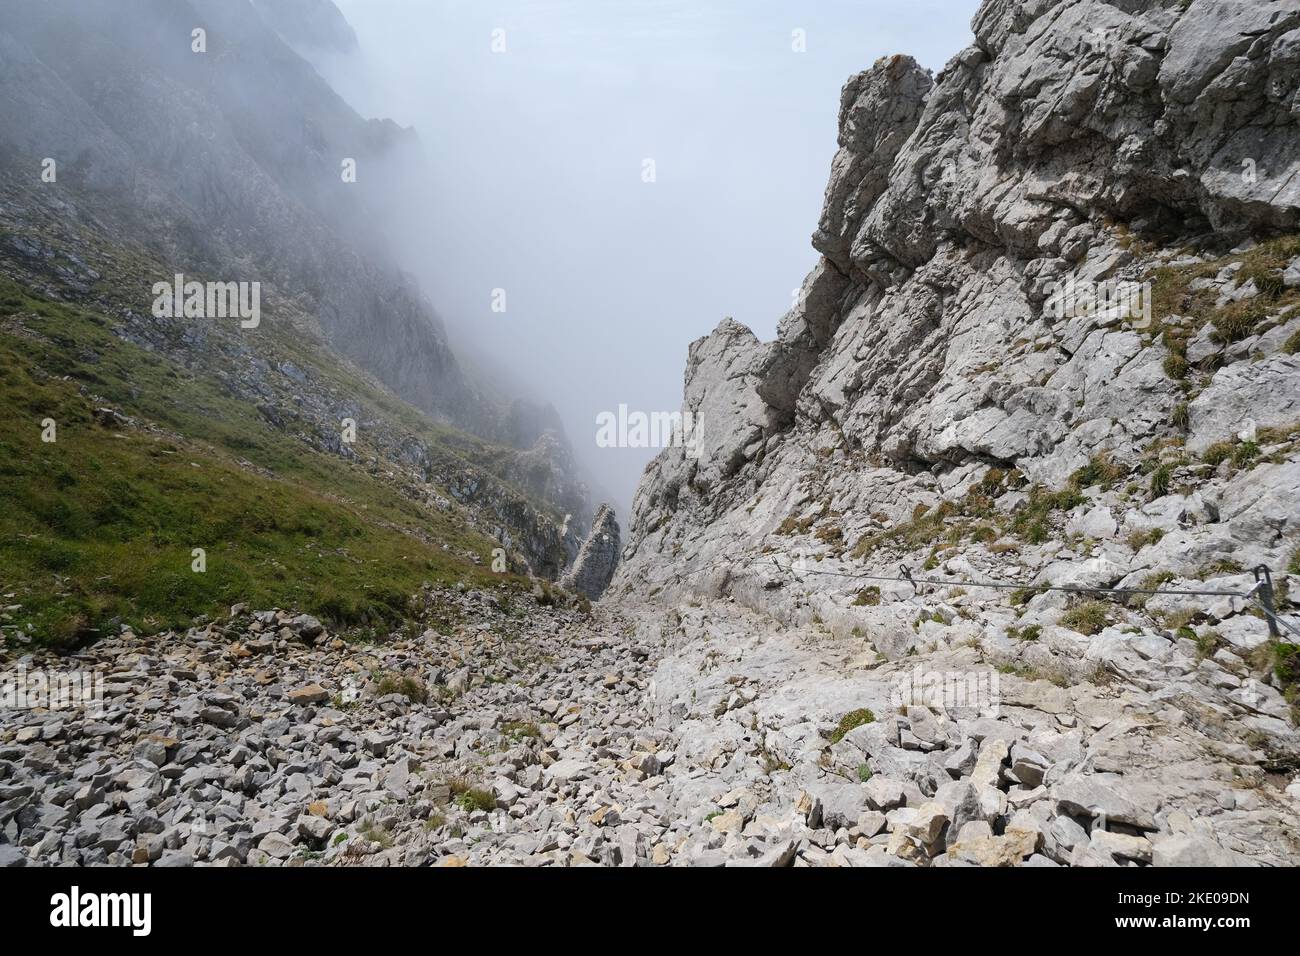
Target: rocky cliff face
{"x": 1052, "y": 340}
{"x": 1089, "y": 142}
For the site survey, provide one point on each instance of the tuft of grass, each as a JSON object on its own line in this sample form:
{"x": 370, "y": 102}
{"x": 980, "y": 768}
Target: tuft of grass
{"x": 1160, "y": 481}
{"x": 1138, "y": 540}
{"x": 1030, "y": 632}
{"x": 793, "y": 525}
{"x": 854, "y": 718}
{"x": 1286, "y": 663}
{"x": 1089, "y": 618}
{"x": 1175, "y": 364}
{"x": 772, "y": 763}
{"x": 469, "y": 797}
{"x": 1151, "y": 582}
{"x": 1101, "y": 470}
{"x": 1154, "y": 581}
{"x": 1278, "y": 434}
{"x": 1032, "y": 520}
{"x": 867, "y": 597}
{"x": 1179, "y": 622}
{"x": 1268, "y": 279}
{"x": 1022, "y": 596}
{"x": 1282, "y": 658}
{"x": 994, "y": 482}
{"x": 377, "y": 834}
{"x": 1244, "y": 454}
{"x": 1241, "y": 454}
{"x": 926, "y": 616}
{"x": 1173, "y": 295}
{"x": 1238, "y": 321}
{"x": 1217, "y": 453}
{"x": 924, "y": 530}
{"x": 1206, "y": 644}
{"x": 975, "y": 517}
{"x": 521, "y": 730}
{"x": 412, "y": 688}
{"x": 831, "y": 534}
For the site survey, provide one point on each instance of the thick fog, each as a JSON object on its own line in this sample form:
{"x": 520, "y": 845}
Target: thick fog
{"x": 626, "y": 174}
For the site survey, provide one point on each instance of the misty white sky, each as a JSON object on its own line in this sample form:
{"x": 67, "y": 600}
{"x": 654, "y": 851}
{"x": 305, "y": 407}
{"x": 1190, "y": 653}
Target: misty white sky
{"x": 536, "y": 177}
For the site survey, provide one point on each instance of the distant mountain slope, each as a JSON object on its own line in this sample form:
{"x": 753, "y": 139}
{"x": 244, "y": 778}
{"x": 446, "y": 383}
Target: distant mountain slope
{"x": 309, "y": 25}
{"x": 226, "y": 166}
{"x": 230, "y": 161}
{"x": 131, "y": 439}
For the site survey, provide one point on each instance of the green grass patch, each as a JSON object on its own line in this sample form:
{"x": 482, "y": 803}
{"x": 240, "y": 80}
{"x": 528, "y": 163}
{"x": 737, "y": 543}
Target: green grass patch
{"x": 1173, "y": 295}
{"x": 405, "y": 685}
{"x": 518, "y": 730}
{"x": 926, "y": 527}
{"x": 1101, "y": 470}
{"x": 867, "y": 597}
{"x": 1286, "y": 662}
{"x": 1030, "y": 632}
{"x": 854, "y": 718}
{"x": 469, "y": 797}
{"x": 1090, "y": 617}
{"x": 1217, "y": 453}
{"x": 1161, "y": 478}
{"x": 99, "y": 526}
{"x": 1032, "y": 521}
{"x": 1022, "y": 596}
{"x": 1137, "y": 540}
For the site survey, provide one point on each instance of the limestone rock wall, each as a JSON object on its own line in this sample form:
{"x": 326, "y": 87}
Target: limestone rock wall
{"x": 1076, "y": 141}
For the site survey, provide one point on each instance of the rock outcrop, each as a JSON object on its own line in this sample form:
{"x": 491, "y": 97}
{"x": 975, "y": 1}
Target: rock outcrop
{"x": 1077, "y": 145}
{"x": 597, "y": 559}
{"x": 1052, "y": 341}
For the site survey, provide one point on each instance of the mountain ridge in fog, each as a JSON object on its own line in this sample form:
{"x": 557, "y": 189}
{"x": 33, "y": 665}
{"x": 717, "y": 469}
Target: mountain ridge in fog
{"x": 253, "y": 187}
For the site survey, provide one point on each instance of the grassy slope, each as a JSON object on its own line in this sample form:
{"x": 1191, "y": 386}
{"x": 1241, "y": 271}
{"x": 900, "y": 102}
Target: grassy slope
{"x": 98, "y": 527}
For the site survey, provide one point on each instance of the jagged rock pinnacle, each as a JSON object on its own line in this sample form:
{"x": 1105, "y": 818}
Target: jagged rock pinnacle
{"x": 594, "y": 567}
